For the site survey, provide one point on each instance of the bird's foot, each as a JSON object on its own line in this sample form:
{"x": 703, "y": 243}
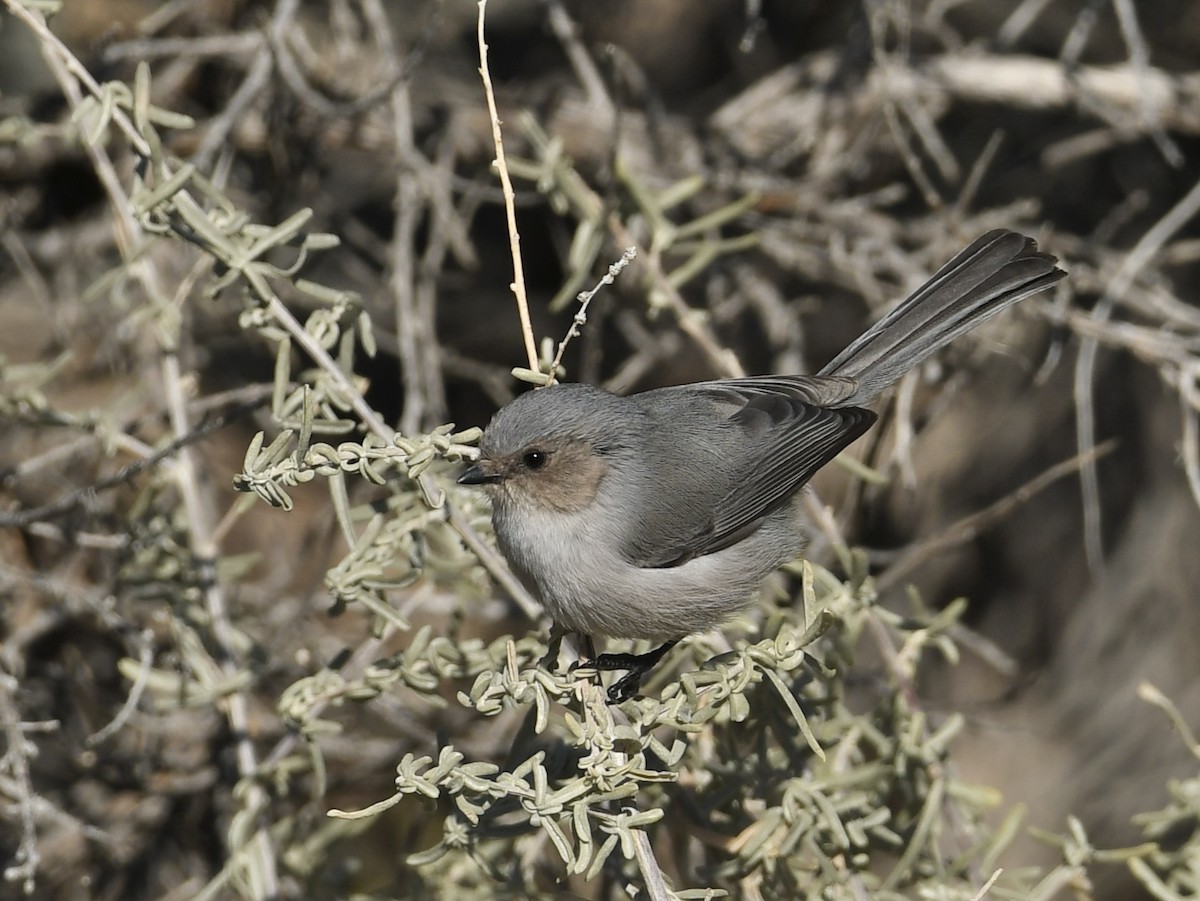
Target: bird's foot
{"x": 638, "y": 665}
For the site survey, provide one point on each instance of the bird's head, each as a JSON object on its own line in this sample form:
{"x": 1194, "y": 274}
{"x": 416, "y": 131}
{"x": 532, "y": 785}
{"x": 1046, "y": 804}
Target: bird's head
{"x": 550, "y": 449}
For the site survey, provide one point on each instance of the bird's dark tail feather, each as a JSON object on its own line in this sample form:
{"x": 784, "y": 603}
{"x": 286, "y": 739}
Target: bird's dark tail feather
{"x": 989, "y": 276}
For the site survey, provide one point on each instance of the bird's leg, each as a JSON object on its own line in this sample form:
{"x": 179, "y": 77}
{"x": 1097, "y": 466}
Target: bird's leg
{"x": 587, "y": 648}
{"x": 637, "y": 664}
{"x": 549, "y": 660}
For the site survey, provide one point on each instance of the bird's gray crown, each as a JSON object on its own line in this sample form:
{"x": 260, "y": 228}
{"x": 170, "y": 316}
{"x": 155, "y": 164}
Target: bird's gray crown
{"x": 571, "y": 411}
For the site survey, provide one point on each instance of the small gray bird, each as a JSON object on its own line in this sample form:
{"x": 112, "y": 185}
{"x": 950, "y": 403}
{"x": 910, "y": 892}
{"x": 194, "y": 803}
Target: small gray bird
{"x": 658, "y": 514}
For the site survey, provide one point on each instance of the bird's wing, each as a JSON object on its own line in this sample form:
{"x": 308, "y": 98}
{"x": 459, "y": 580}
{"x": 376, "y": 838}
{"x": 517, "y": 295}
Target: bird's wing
{"x": 756, "y": 442}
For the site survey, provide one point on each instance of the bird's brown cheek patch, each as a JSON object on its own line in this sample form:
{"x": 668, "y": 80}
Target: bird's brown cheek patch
{"x": 567, "y": 484}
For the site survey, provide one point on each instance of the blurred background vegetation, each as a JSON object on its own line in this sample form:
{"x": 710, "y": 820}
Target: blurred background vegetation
{"x": 222, "y": 220}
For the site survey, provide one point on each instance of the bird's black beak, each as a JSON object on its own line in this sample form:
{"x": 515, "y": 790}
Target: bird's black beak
{"x": 476, "y": 476}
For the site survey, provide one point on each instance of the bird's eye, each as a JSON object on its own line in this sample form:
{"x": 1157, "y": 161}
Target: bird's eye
{"x": 535, "y": 459}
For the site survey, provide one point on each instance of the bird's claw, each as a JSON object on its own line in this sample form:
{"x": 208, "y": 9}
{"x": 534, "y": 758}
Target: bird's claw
{"x": 637, "y": 666}
{"x": 626, "y": 687}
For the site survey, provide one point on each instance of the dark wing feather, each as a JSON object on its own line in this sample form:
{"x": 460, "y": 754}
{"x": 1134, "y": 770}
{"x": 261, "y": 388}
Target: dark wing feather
{"x": 782, "y": 434}
{"x": 818, "y": 390}
{"x": 795, "y": 439}
{"x": 744, "y": 446}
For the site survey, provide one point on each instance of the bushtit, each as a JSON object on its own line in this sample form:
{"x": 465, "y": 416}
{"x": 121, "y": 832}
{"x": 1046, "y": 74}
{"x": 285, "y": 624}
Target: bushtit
{"x": 658, "y": 514}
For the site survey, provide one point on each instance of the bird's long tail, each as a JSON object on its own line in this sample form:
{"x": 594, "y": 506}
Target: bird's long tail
{"x": 990, "y": 275}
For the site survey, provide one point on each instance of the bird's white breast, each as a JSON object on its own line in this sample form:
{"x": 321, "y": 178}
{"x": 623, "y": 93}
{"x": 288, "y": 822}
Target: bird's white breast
{"x": 575, "y": 566}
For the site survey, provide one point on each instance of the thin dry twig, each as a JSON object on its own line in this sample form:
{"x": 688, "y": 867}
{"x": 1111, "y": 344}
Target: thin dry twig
{"x": 26, "y": 859}
{"x": 514, "y": 237}
{"x": 567, "y": 32}
{"x": 1139, "y": 59}
{"x": 969, "y": 527}
{"x": 656, "y": 885}
{"x": 987, "y": 886}
{"x": 580, "y": 318}
{"x": 884, "y": 63}
{"x": 70, "y": 73}
{"x": 1189, "y": 397}
{"x": 145, "y": 659}
{"x": 1085, "y": 421}
{"x": 691, "y": 322}
{"x": 79, "y": 496}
